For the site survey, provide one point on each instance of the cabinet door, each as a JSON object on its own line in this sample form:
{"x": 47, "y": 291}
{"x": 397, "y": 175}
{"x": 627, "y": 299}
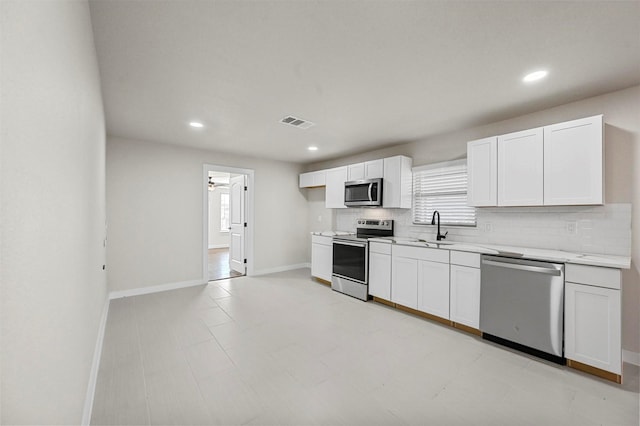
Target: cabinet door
{"x": 573, "y": 156}
{"x": 321, "y": 261}
{"x": 433, "y": 288}
{"x": 380, "y": 275}
{"x": 397, "y": 182}
{"x": 374, "y": 169}
{"x": 465, "y": 295}
{"x": 520, "y": 168}
{"x": 334, "y": 196}
{"x": 355, "y": 171}
{"x": 319, "y": 178}
{"x": 312, "y": 179}
{"x": 482, "y": 172}
{"x": 306, "y": 180}
{"x": 404, "y": 281}
{"x": 592, "y": 326}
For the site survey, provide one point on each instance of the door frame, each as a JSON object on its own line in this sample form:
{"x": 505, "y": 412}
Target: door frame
{"x": 249, "y": 215}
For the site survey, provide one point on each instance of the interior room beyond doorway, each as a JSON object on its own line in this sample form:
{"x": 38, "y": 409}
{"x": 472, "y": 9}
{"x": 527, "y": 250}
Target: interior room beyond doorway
{"x": 219, "y": 227}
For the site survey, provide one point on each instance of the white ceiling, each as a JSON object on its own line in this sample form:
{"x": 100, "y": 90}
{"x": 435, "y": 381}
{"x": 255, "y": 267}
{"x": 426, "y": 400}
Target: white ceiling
{"x": 368, "y": 73}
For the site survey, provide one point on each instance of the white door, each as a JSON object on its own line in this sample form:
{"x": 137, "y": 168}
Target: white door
{"x": 237, "y": 193}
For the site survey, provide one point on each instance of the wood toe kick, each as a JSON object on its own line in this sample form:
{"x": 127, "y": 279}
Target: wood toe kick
{"x": 603, "y": 374}
{"x": 467, "y": 329}
{"x": 321, "y": 281}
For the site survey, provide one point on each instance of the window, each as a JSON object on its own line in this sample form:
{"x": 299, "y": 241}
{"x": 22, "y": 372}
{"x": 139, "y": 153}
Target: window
{"x": 442, "y": 187}
{"x": 224, "y": 212}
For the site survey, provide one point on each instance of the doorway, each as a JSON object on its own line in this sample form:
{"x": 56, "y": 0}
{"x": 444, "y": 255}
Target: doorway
{"x": 227, "y": 222}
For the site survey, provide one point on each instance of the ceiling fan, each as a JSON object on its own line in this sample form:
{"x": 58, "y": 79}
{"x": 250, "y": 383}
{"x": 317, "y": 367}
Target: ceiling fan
{"x": 213, "y": 185}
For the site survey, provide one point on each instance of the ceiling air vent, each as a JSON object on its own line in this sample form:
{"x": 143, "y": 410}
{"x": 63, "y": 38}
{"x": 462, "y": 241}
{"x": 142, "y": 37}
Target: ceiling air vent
{"x": 297, "y": 122}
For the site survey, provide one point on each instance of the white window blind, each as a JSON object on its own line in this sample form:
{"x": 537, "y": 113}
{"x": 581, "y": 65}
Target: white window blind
{"x": 442, "y": 187}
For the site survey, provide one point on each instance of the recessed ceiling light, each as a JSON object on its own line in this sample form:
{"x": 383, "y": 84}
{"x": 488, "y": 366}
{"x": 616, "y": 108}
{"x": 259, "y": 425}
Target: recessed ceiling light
{"x": 535, "y": 76}
{"x": 312, "y": 148}
{"x": 196, "y": 124}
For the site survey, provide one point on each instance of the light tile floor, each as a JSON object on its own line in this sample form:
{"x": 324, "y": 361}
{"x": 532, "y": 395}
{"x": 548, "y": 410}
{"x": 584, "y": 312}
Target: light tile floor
{"x": 283, "y": 349}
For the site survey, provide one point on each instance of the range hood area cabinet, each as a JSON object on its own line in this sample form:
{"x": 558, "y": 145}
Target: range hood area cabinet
{"x": 560, "y": 164}
{"x": 367, "y": 170}
{"x": 396, "y": 174}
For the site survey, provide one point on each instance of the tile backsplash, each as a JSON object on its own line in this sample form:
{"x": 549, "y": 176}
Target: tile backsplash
{"x": 582, "y": 229}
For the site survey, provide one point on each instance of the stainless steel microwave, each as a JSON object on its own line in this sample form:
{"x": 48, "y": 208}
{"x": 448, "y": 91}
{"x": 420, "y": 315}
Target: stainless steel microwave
{"x": 363, "y": 193}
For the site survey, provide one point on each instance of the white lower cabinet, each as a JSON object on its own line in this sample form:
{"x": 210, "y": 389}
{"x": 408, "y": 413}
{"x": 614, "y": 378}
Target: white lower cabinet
{"x": 593, "y": 326}
{"x": 380, "y": 270}
{"x": 404, "y": 281}
{"x": 465, "y": 295}
{"x": 420, "y": 279}
{"x": 433, "y": 288}
{"x": 321, "y": 257}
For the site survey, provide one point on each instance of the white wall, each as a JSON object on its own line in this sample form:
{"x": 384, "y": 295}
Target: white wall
{"x": 53, "y": 210}
{"x": 155, "y": 218}
{"x": 621, "y": 111}
{"x": 217, "y": 238}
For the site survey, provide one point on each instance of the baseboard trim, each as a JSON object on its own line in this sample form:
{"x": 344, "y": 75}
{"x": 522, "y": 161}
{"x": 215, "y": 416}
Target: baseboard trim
{"x": 631, "y": 357}
{"x": 216, "y": 246}
{"x": 281, "y": 269}
{"x": 95, "y": 366}
{"x": 154, "y": 289}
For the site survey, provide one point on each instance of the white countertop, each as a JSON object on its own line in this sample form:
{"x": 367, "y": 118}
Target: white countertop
{"x": 331, "y": 233}
{"x": 621, "y": 262}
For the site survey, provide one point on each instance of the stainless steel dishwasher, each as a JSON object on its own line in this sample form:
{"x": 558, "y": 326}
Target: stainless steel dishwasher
{"x": 521, "y": 305}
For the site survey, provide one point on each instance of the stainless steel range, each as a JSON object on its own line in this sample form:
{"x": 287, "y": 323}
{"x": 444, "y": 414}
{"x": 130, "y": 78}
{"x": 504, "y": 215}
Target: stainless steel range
{"x": 351, "y": 257}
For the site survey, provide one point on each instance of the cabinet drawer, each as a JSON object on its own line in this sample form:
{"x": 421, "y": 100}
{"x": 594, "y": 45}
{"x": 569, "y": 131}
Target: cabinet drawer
{"x": 593, "y": 275}
{"x": 422, "y": 253}
{"x": 464, "y": 258}
{"x": 382, "y": 248}
{"x": 321, "y": 239}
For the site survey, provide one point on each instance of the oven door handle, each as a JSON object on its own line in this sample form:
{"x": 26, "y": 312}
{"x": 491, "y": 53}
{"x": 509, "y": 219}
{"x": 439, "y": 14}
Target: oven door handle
{"x": 346, "y": 243}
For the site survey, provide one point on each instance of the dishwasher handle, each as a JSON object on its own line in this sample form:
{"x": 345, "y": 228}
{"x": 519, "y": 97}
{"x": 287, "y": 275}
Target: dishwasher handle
{"x": 530, "y": 268}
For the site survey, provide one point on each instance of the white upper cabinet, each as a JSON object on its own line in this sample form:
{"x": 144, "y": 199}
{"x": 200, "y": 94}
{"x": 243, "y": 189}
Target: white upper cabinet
{"x": 573, "y": 162}
{"x": 335, "y": 179}
{"x": 395, "y": 172}
{"x": 367, "y": 170}
{"x": 355, "y": 171}
{"x": 520, "y": 168}
{"x": 482, "y": 170}
{"x": 374, "y": 169}
{"x": 312, "y": 179}
{"x": 560, "y": 164}
{"x": 397, "y": 183}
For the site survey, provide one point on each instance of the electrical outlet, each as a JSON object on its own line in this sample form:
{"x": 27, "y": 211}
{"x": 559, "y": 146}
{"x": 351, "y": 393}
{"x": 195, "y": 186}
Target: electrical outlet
{"x": 572, "y": 228}
{"x": 320, "y": 218}
{"x": 488, "y": 227}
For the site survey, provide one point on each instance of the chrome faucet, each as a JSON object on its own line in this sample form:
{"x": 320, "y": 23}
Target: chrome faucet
{"x": 433, "y": 222}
